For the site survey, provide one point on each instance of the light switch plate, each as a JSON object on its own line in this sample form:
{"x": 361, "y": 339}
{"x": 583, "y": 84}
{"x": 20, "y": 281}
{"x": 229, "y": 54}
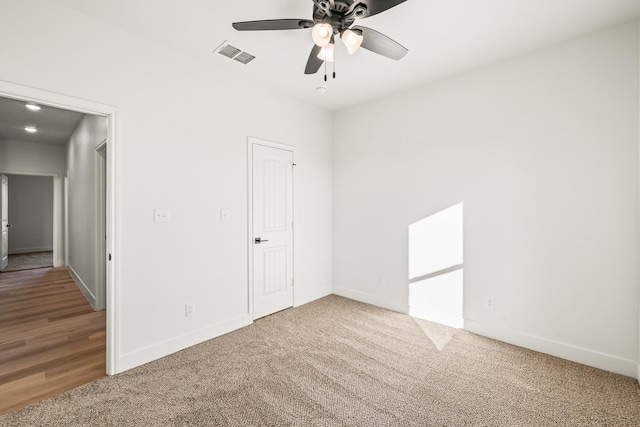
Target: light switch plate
{"x": 161, "y": 215}
{"x": 224, "y": 214}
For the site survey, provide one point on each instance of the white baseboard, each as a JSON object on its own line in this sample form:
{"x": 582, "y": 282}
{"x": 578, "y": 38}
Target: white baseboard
{"x": 554, "y": 348}
{"x": 372, "y": 299}
{"x": 638, "y": 373}
{"x": 30, "y": 250}
{"x": 305, "y": 296}
{"x": 83, "y": 287}
{"x": 173, "y": 345}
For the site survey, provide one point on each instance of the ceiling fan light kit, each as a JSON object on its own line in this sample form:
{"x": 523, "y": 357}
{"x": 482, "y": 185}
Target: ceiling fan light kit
{"x": 336, "y": 18}
{"x": 322, "y": 33}
{"x": 352, "y": 40}
{"x": 328, "y": 53}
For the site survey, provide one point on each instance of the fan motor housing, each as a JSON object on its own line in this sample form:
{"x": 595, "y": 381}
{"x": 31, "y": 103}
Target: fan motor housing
{"x": 342, "y": 15}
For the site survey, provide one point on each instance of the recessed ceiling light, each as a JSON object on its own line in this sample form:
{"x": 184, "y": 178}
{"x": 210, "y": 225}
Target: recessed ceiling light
{"x": 321, "y": 90}
{"x": 33, "y": 107}
{"x": 31, "y": 129}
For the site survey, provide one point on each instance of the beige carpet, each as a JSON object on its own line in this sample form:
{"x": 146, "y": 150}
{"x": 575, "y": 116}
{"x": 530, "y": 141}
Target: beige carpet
{"x": 336, "y": 362}
{"x": 29, "y": 261}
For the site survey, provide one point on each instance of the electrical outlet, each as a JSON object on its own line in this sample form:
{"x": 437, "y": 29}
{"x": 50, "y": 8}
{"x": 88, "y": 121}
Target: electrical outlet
{"x": 189, "y": 309}
{"x": 490, "y": 303}
{"x": 161, "y": 215}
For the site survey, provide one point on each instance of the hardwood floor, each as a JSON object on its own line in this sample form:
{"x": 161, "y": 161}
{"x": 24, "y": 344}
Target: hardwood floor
{"x": 51, "y": 340}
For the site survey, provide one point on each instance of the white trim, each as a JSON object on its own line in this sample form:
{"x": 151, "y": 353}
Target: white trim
{"x": 44, "y": 97}
{"x": 100, "y": 161}
{"x": 173, "y": 345}
{"x": 566, "y": 351}
{"x": 28, "y": 173}
{"x": 83, "y": 287}
{"x": 249, "y": 227}
{"x": 258, "y": 141}
{"x": 65, "y": 213}
{"x": 31, "y": 250}
{"x": 372, "y": 299}
{"x": 638, "y": 361}
{"x": 251, "y": 141}
{"x": 101, "y": 148}
{"x": 113, "y": 246}
{"x": 304, "y": 296}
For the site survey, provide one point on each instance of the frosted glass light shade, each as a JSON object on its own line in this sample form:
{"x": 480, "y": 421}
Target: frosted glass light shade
{"x": 328, "y": 53}
{"x": 352, "y": 40}
{"x": 322, "y": 33}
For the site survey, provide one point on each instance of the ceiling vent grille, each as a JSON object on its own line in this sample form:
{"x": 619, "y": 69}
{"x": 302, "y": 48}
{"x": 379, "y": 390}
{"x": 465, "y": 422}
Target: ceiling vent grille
{"x": 232, "y": 52}
{"x": 244, "y": 58}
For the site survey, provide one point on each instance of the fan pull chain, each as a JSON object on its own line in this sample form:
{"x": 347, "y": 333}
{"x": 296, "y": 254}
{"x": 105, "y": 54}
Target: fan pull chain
{"x": 325, "y": 70}
{"x": 334, "y": 66}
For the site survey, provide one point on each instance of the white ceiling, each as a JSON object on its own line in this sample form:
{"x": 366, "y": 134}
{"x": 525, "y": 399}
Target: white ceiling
{"x": 55, "y": 126}
{"x": 444, "y": 37}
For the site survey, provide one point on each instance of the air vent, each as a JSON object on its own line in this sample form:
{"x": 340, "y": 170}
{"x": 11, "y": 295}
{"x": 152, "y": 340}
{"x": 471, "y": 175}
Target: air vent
{"x": 234, "y": 53}
{"x": 229, "y": 51}
{"x": 244, "y": 58}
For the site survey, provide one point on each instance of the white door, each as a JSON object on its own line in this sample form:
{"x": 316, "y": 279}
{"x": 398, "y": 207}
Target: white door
{"x": 272, "y": 239}
{"x": 4, "y": 224}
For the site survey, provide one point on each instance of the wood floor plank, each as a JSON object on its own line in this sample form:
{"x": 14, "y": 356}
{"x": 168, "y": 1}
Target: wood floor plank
{"x": 20, "y": 393}
{"x": 51, "y": 340}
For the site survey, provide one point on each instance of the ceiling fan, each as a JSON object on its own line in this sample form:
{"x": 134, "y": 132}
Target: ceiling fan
{"x": 335, "y": 18}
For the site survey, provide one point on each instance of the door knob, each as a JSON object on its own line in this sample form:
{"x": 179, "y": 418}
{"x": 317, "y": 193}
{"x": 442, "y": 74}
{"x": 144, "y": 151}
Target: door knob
{"x": 258, "y": 240}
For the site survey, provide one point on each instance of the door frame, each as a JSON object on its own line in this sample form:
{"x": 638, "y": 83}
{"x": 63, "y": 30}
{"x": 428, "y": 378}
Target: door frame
{"x": 101, "y": 222}
{"x": 4, "y": 241}
{"x": 57, "y": 231}
{"x": 65, "y": 212}
{"x": 251, "y": 141}
{"x": 52, "y": 99}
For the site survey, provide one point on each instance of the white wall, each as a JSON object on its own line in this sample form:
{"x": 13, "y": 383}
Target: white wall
{"x": 83, "y": 207}
{"x": 30, "y": 213}
{"x": 543, "y": 151}
{"x": 182, "y": 146}
{"x": 21, "y": 157}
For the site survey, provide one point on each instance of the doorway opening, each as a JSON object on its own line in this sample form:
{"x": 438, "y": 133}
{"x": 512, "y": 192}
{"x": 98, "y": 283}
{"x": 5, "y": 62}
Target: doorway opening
{"x": 64, "y": 182}
{"x": 436, "y": 262}
{"x": 30, "y": 216}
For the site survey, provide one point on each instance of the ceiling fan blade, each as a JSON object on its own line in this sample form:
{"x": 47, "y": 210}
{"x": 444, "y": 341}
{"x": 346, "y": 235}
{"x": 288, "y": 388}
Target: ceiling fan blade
{"x": 314, "y": 63}
{"x": 273, "y": 24}
{"x": 381, "y": 44}
{"x": 378, "y": 6}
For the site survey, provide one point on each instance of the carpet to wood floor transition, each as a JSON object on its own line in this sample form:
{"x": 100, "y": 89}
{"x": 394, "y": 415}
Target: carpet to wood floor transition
{"x": 336, "y": 362}
{"x": 19, "y": 262}
{"x": 51, "y": 340}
